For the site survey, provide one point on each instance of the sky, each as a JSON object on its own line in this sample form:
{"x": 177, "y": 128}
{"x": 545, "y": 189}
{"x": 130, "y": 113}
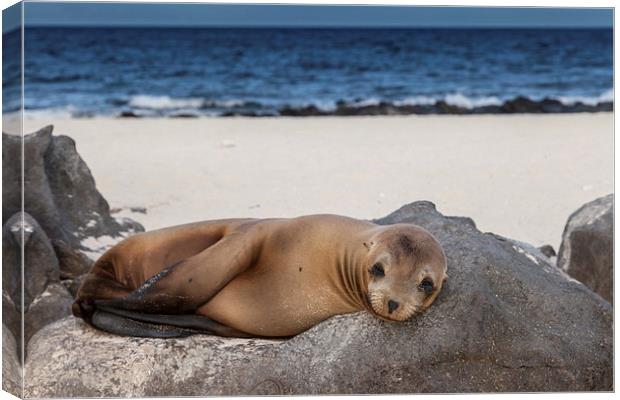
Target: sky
{"x": 110, "y": 14}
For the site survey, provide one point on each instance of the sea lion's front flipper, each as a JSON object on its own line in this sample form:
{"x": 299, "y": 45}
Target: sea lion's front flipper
{"x": 188, "y": 284}
{"x": 160, "y": 325}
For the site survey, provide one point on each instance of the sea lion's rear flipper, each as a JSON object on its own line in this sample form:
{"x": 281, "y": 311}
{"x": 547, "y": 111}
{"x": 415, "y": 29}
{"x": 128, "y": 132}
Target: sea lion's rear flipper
{"x": 128, "y": 327}
{"x": 159, "y": 325}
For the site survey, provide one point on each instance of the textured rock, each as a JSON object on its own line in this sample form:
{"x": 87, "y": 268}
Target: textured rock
{"x": 40, "y": 262}
{"x": 49, "y": 306}
{"x": 507, "y": 320}
{"x": 59, "y": 190}
{"x": 72, "y": 285}
{"x": 11, "y": 318}
{"x": 38, "y": 197}
{"x": 548, "y": 251}
{"x": 11, "y": 365}
{"x": 586, "y": 252}
{"x": 72, "y": 263}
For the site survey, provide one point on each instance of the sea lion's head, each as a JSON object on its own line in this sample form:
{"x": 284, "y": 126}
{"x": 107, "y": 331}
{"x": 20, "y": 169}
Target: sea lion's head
{"x": 406, "y": 269}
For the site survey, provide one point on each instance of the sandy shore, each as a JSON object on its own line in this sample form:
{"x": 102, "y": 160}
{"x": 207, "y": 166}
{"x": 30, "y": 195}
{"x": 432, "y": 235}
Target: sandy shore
{"x": 519, "y": 176}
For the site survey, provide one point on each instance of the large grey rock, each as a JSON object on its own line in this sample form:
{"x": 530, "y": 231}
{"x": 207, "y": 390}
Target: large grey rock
{"x": 11, "y": 364}
{"x": 587, "y": 248}
{"x": 507, "y": 320}
{"x": 38, "y": 198}
{"x": 51, "y": 305}
{"x": 59, "y": 190}
{"x": 40, "y": 262}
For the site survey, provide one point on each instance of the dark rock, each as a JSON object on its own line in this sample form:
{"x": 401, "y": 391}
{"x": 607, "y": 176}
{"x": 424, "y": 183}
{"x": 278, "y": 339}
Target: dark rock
{"x": 59, "y": 190}
{"x": 551, "y": 106}
{"x": 586, "y": 252}
{"x": 72, "y": 263}
{"x": 38, "y": 197}
{"x": 507, "y": 320}
{"x": 72, "y": 285}
{"x": 442, "y": 107}
{"x": 184, "y": 115}
{"x": 40, "y": 262}
{"x": 520, "y": 104}
{"x": 51, "y": 305}
{"x": 84, "y": 212}
{"x": 301, "y": 111}
{"x": 548, "y": 251}
{"x": 128, "y": 114}
{"x": 517, "y": 105}
{"x": 11, "y": 318}
{"x": 11, "y": 364}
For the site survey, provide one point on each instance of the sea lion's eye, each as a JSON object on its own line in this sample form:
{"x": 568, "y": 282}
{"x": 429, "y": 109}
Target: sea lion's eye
{"x": 377, "y": 270}
{"x": 426, "y": 286}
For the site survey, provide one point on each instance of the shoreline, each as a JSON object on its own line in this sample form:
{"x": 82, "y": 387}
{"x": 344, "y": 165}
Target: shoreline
{"x": 523, "y": 184}
{"x": 164, "y": 106}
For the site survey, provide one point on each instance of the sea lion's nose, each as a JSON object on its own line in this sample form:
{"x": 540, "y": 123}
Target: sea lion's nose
{"x": 392, "y": 305}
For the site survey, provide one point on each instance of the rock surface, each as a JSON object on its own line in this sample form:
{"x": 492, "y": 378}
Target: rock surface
{"x": 59, "y": 190}
{"x": 586, "y": 252}
{"x": 40, "y": 262}
{"x": 548, "y": 251}
{"x": 507, "y": 320}
{"x": 72, "y": 263}
{"x": 11, "y": 317}
{"x": 11, "y": 366}
{"x": 49, "y": 306}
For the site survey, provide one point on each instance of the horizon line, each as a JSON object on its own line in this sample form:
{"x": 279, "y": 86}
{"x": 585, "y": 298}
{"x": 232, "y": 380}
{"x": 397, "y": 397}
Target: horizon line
{"x": 369, "y": 27}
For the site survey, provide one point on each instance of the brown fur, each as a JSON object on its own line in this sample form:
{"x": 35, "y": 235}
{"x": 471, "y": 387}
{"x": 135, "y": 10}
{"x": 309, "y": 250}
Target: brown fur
{"x": 271, "y": 277}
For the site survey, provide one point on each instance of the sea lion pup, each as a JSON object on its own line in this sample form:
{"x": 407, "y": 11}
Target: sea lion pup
{"x": 260, "y": 277}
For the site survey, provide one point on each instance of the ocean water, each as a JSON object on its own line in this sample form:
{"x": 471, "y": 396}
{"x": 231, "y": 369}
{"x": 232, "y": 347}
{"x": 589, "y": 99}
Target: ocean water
{"x": 195, "y": 71}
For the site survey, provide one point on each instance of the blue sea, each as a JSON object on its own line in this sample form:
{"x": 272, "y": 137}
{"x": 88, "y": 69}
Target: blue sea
{"x": 194, "y": 71}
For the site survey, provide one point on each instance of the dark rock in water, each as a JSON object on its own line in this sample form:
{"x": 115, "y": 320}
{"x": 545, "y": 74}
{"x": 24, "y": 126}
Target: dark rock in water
{"x": 128, "y": 114}
{"x": 51, "y": 305}
{"x": 507, "y": 320}
{"x": 518, "y": 105}
{"x": 184, "y": 115}
{"x": 551, "y": 106}
{"x": 548, "y": 250}
{"x": 442, "y": 107}
{"x": 40, "y": 262}
{"x": 11, "y": 364}
{"x": 59, "y": 190}
{"x": 586, "y": 252}
{"x": 301, "y": 111}
{"x": 72, "y": 263}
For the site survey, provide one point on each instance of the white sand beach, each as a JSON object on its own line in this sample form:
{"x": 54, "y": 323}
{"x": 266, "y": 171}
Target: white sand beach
{"x": 516, "y": 175}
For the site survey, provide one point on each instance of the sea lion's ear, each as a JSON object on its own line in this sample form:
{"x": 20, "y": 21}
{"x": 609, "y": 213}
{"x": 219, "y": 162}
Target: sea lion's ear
{"x": 369, "y": 245}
